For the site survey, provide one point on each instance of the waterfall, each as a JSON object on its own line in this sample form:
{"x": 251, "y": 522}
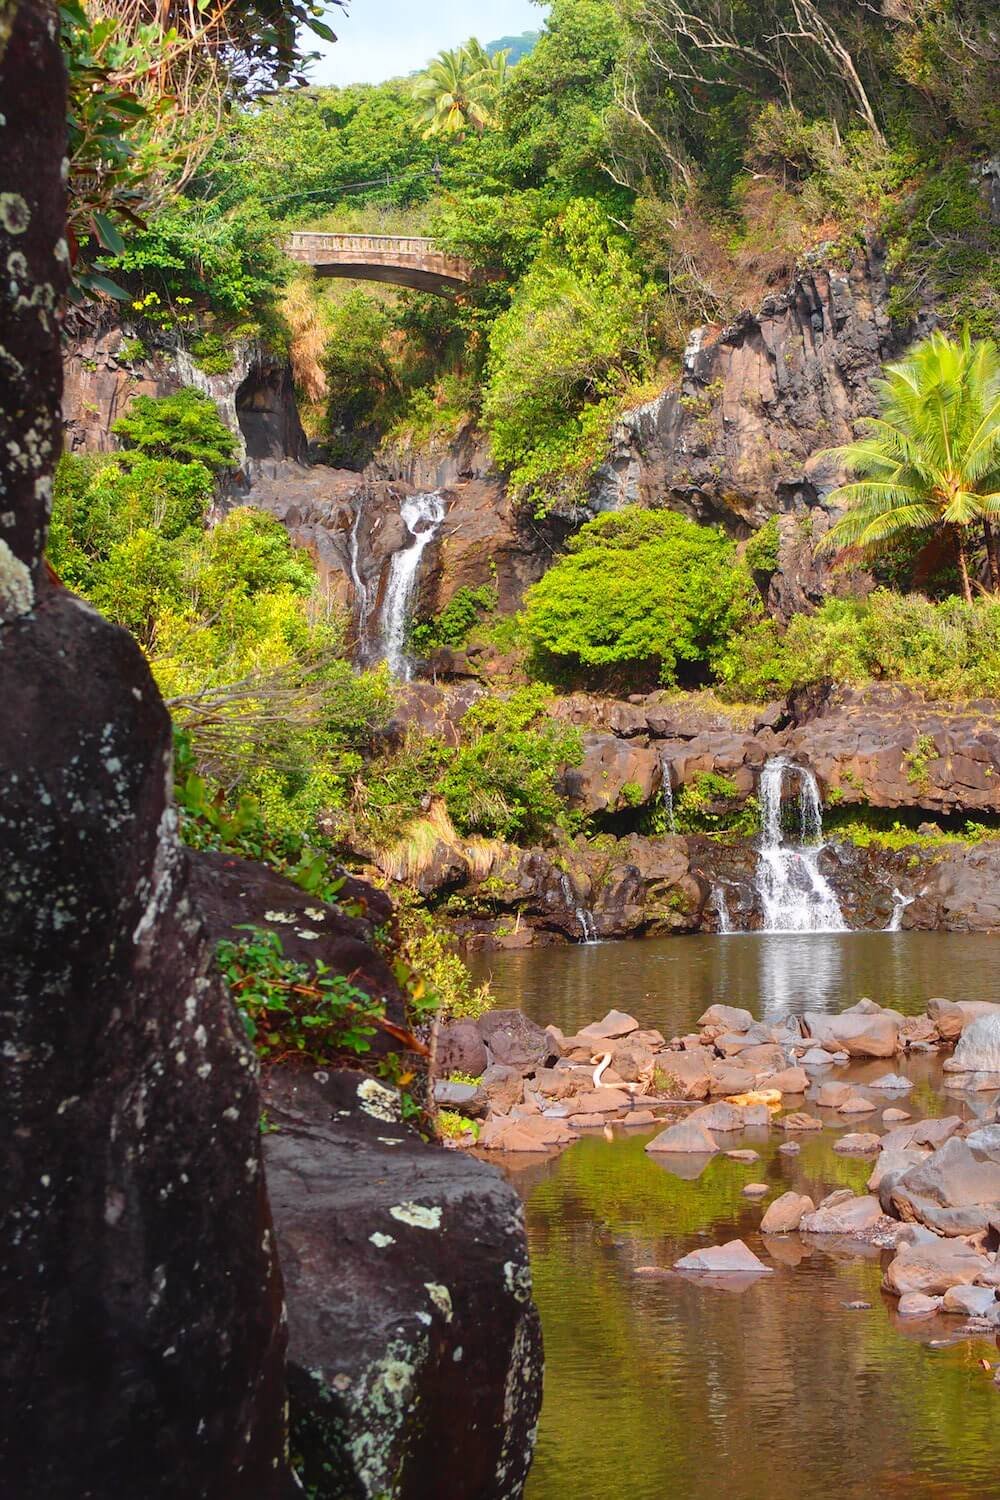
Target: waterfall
{"x": 422, "y": 515}
{"x": 667, "y": 792}
{"x": 360, "y": 587}
{"x": 588, "y": 929}
{"x": 794, "y": 895}
{"x": 899, "y": 905}
{"x": 717, "y": 902}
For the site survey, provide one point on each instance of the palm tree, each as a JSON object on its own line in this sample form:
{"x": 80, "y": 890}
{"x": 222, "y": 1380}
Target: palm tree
{"x": 460, "y": 89}
{"x": 931, "y": 459}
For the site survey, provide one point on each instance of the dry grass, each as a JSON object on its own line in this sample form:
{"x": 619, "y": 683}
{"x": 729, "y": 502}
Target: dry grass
{"x": 415, "y": 850}
{"x": 303, "y": 312}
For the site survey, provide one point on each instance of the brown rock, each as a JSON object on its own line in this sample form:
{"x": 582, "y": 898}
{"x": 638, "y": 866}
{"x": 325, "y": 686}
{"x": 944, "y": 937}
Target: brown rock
{"x": 531, "y": 1134}
{"x": 503, "y": 1087}
{"x": 842, "y": 1213}
{"x": 725, "y": 1078}
{"x": 856, "y": 1104}
{"x": 800, "y": 1121}
{"x": 857, "y": 1144}
{"x": 756, "y": 1189}
{"x": 732, "y": 1257}
{"x": 787, "y": 1081}
{"x": 832, "y": 1095}
{"x": 719, "y": 1117}
{"x": 785, "y": 1213}
{"x": 932, "y": 1266}
{"x": 743, "y": 1156}
{"x": 917, "y": 1305}
{"x": 688, "y": 1136}
{"x": 726, "y": 1018}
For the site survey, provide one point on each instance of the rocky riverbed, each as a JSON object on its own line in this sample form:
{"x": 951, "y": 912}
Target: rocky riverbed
{"x": 932, "y": 1195}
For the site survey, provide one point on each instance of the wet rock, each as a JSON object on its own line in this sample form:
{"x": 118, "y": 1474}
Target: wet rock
{"x": 744, "y": 1156}
{"x": 526, "y": 1133}
{"x": 686, "y": 1073}
{"x": 756, "y": 1189}
{"x": 856, "y": 1104}
{"x": 932, "y": 1266}
{"x": 956, "y": 1191}
{"x": 832, "y": 1095}
{"x": 687, "y": 1137}
{"x": 891, "y": 1081}
{"x": 725, "y": 1018}
{"x": 785, "y": 1214}
{"x": 894, "y": 1116}
{"x": 719, "y": 1117}
{"x": 734, "y": 1257}
{"x": 609, "y": 770}
{"x": 978, "y": 1049}
{"x": 414, "y": 1347}
{"x": 513, "y": 1040}
{"x": 724, "y": 1078}
{"x": 790, "y": 1148}
{"x": 459, "y": 1048}
{"x": 639, "y": 1117}
{"x": 842, "y": 1213}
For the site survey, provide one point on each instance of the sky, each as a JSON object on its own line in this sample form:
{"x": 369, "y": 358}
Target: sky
{"x": 378, "y": 39}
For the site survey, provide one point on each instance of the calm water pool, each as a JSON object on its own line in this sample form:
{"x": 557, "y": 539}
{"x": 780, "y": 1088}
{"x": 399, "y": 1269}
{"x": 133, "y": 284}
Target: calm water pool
{"x": 778, "y": 1391}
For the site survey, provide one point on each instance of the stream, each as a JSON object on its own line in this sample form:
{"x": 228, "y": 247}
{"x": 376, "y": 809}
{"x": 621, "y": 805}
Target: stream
{"x": 658, "y": 1388}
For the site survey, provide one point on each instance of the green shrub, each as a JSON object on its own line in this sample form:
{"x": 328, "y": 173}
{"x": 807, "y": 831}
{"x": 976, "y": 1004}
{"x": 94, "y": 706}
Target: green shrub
{"x": 502, "y": 782}
{"x": 431, "y": 952}
{"x": 639, "y": 589}
{"x": 452, "y": 626}
{"x": 184, "y": 426}
{"x": 697, "y": 807}
{"x": 761, "y": 551}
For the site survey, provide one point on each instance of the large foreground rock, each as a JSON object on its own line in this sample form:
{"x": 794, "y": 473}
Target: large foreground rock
{"x": 932, "y": 1265}
{"x": 978, "y": 1050}
{"x": 139, "y": 1286}
{"x": 955, "y": 1191}
{"x": 864, "y": 1030}
{"x": 415, "y": 1357}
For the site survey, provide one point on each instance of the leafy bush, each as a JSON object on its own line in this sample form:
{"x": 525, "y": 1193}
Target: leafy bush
{"x": 639, "y": 588}
{"x": 184, "y": 426}
{"x": 502, "y": 781}
{"x": 432, "y": 952}
{"x": 708, "y": 804}
{"x": 296, "y": 1009}
{"x": 761, "y": 551}
{"x": 452, "y": 626}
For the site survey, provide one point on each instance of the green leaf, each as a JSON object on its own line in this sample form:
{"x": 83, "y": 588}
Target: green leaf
{"x": 108, "y": 234}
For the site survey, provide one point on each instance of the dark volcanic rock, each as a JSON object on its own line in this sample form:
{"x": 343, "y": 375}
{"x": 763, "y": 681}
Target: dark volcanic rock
{"x": 414, "y": 1348}
{"x": 139, "y": 1286}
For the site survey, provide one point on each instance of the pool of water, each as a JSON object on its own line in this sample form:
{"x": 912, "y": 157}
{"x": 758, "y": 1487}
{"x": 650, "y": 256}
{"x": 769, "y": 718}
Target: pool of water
{"x": 777, "y": 1389}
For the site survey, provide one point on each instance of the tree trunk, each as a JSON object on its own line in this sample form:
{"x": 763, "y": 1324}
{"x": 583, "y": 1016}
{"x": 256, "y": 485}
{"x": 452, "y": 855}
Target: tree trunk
{"x": 993, "y": 553}
{"x": 963, "y": 565}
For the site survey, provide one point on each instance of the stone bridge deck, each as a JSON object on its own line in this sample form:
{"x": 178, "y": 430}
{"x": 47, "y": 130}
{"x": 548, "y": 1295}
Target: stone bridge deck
{"x": 402, "y": 260}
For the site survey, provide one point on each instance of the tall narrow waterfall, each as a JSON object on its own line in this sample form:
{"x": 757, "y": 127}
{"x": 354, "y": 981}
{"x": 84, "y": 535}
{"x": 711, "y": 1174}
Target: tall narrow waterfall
{"x": 667, "y": 793}
{"x": 360, "y": 586}
{"x": 794, "y": 894}
{"x": 422, "y": 515}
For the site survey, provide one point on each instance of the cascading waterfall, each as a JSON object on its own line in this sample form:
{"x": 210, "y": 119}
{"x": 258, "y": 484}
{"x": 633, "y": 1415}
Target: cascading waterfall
{"x": 719, "y": 904}
{"x": 899, "y": 905}
{"x": 421, "y": 515}
{"x": 584, "y": 918}
{"x": 794, "y": 894}
{"x": 667, "y": 792}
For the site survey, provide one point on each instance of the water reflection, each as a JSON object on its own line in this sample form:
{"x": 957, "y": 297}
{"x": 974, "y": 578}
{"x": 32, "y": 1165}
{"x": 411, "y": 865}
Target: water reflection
{"x": 663, "y": 1386}
{"x": 668, "y": 982}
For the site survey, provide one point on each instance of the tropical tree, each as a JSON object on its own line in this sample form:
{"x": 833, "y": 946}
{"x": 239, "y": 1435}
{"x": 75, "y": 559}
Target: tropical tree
{"x": 931, "y": 459}
{"x": 460, "y": 89}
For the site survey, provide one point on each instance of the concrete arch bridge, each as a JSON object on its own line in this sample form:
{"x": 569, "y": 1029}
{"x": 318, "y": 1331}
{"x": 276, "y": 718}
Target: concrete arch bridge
{"x": 401, "y": 260}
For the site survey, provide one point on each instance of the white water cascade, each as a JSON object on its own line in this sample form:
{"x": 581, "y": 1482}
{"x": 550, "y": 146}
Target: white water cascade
{"x": 719, "y": 904}
{"x": 794, "y": 894}
{"x": 360, "y": 587}
{"x": 421, "y": 515}
{"x": 588, "y": 929}
{"x": 667, "y": 793}
{"x": 899, "y": 905}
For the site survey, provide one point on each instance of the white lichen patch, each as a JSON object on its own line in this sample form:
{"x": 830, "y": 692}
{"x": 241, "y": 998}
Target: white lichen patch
{"x": 391, "y": 1140}
{"x": 280, "y": 916}
{"x": 380, "y": 1240}
{"x": 517, "y": 1280}
{"x": 441, "y": 1297}
{"x": 17, "y": 593}
{"x": 15, "y": 215}
{"x": 307, "y": 933}
{"x": 417, "y": 1215}
{"x": 378, "y": 1101}
{"x": 315, "y": 913}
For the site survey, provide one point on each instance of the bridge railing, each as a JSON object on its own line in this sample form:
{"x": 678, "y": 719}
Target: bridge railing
{"x": 400, "y": 244}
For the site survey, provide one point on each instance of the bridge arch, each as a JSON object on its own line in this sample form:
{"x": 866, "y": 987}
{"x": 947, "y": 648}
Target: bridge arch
{"x": 400, "y": 260}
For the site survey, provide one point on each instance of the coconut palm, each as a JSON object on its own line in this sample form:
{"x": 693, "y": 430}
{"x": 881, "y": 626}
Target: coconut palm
{"x": 460, "y": 89}
{"x": 931, "y": 459}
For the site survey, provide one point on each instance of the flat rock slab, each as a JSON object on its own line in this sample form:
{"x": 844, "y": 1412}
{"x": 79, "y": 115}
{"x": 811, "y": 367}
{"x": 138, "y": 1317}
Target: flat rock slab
{"x": 734, "y": 1257}
{"x": 972, "y": 1301}
{"x": 894, "y": 1081}
{"x": 800, "y": 1121}
{"x": 917, "y": 1305}
{"x": 856, "y": 1104}
{"x": 787, "y": 1080}
{"x": 840, "y": 1214}
{"x": 932, "y": 1266}
{"x": 408, "y": 1291}
{"x": 615, "y": 1024}
{"x": 857, "y": 1143}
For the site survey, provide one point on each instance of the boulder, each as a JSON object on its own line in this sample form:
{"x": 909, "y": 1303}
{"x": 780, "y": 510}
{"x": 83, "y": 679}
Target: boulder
{"x": 894, "y": 1116}
{"x": 891, "y": 1081}
{"x": 956, "y": 1191}
{"x": 857, "y": 1144}
{"x": 602, "y": 1101}
{"x": 856, "y": 1104}
{"x": 832, "y": 1095}
{"x": 687, "y": 1074}
{"x": 842, "y": 1213}
{"x": 932, "y": 1266}
{"x": 608, "y": 771}
{"x": 978, "y": 1049}
{"x": 917, "y": 1305}
{"x": 894, "y": 1164}
{"x": 952, "y": 1017}
{"x": 786, "y": 1081}
{"x": 865, "y": 1030}
{"x": 726, "y": 1078}
{"x": 746, "y": 1156}
{"x": 756, "y": 1189}
{"x": 409, "y": 1299}
{"x": 734, "y": 1257}
{"x": 615, "y": 1024}
{"x": 467, "y": 1098}
{"x": 633, "y": 1060}
{"x": 688, "y": 1137}
{"x": 503, "y": 1087}
{"x": 798, "y": 1120}
{"x": 459, "y": 1048}
{"x": 785, "y": 1214}
{"x": 525, "y": 1133}
{"x": 513, "y": 1040}
{"x": 719, "y": 1117}
{"x": 725, "y": 1018}
{"x": 971, "y": 1301}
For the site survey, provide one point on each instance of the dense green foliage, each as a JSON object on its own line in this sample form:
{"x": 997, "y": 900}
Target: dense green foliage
{"x": 185, "y": 426}
{"x": 639, "y": 589}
